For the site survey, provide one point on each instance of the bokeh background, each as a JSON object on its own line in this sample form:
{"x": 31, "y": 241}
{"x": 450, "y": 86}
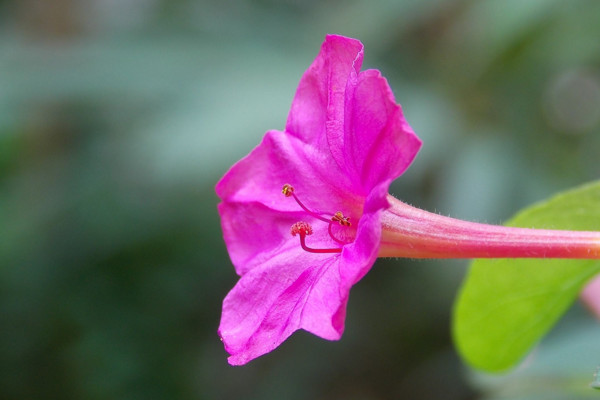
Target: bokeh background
{"x": 117, "y": 117}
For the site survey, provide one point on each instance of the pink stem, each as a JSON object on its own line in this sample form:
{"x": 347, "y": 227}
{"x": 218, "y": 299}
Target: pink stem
{"x": 411, "y": 232}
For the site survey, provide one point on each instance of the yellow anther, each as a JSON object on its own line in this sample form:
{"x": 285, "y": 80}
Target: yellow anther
{"x": 339, "y": 217}
{"x": 287, "y": 190}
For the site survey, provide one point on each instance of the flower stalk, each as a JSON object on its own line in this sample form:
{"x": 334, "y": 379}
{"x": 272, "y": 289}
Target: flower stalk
{"x": 411, "y": 232}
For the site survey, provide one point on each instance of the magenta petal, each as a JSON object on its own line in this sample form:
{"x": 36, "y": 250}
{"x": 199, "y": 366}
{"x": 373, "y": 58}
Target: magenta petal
{"x": 291, "y": 291}
{"x": 280, "y": 159}
{"x": 294, "y": 290}
{"x": 253, "y": 233}
{"x": 379, "y": 142}
{"x": 319, "y": 99}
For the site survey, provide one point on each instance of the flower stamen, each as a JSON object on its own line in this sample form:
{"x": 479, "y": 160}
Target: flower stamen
{"x": 339, "y": 217}
{"x": 304, "y": 229}
{"x": 288, "y": 191}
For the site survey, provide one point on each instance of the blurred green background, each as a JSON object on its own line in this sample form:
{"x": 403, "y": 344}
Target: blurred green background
{"x": 117, "y": 117}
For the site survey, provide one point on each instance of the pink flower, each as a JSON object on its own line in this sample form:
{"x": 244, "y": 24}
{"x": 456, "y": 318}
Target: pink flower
{"x": 307, "y": 212}
{"x": 344, "y": 142}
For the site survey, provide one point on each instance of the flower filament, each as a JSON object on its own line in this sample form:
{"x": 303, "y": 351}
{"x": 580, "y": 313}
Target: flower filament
{"x": 303, "y": 229}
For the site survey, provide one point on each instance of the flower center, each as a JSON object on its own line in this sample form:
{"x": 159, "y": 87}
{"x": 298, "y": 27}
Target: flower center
{"x": 303, "y": 229}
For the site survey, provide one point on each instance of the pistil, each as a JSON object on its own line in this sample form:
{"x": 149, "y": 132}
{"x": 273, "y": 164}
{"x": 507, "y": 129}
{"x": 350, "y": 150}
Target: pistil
{"x": 303, "y": 229}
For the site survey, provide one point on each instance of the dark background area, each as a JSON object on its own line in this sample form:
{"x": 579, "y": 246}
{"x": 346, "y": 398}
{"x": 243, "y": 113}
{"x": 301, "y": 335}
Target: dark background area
{"x": 117, "y": 118}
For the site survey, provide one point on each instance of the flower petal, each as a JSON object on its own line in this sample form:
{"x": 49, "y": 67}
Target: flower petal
{"x": 281, "y": 159}
{"x": 319, "y": 99}
{"x": 289, "y": 292}
{"x": 379, "y": 142}
{"x": 253, "y": 233}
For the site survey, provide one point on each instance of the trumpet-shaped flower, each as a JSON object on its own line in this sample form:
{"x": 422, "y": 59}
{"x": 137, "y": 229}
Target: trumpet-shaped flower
{"x": 344, "y": 142}
{"x": 307, "y": 212}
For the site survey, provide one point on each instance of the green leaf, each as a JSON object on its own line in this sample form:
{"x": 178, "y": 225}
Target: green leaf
{"x": 506, "y": 305}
